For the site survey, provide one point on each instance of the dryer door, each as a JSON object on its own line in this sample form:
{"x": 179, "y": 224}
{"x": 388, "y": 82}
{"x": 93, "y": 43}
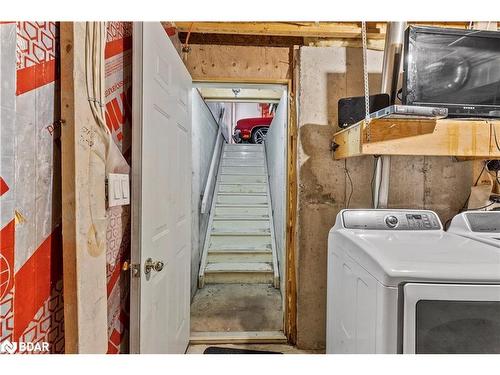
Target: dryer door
{"x": 451, "y": 318}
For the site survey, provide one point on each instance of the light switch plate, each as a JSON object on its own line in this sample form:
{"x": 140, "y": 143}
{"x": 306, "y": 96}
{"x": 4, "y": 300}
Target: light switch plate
{"x": 118, "y": 189}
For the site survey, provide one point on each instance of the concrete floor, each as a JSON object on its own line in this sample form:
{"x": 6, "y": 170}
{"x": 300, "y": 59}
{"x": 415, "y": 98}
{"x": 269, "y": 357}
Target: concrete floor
{"x": 281, "y": 348}
{"x": 236, "y": 307}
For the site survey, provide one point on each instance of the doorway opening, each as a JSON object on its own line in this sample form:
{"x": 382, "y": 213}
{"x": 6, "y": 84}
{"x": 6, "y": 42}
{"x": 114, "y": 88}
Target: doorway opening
{"x": 239, "y": 190}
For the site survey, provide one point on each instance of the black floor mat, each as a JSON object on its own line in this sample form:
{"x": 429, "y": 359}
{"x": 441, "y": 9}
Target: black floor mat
{"x": 219, "y": 350}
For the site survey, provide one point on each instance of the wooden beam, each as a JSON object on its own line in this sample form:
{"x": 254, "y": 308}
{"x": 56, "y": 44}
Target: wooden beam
{"x": 241, "y": 40}
{"x": 83, "y": 204}
{"x": 448, "y": 137}
{"x": 373, "y": 44}
{"x": 450, "y": 24}
{"x": 289, "y": 29}
{"x": 485, "y": 25}
{"x": 329, "y": 30}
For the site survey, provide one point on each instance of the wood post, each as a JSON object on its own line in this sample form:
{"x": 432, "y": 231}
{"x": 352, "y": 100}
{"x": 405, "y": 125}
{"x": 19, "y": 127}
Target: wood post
{"x": 83, "y": 204}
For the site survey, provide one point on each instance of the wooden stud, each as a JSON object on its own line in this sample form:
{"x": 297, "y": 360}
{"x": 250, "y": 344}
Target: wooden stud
{"x": 83, "y": 204}
{"x": 291, "y": 209}
{"x": 68, "y": 190}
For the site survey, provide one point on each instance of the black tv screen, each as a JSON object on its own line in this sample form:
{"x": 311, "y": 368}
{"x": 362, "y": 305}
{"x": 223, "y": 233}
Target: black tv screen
{"x": 453, "y": 68}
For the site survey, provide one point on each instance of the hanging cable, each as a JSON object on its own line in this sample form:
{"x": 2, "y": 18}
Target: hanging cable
{"x": 481, "y": 208}
{"x": 348, "y": 175}
{"x": 95, "y": 44}
{"x": 185, "y": 46}
{"x": 475, "y": 184}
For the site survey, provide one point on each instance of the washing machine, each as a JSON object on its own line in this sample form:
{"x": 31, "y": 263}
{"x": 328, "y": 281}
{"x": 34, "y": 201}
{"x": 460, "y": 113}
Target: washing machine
{"x": 398, "y": 283}
{"x": 483, "y": 226}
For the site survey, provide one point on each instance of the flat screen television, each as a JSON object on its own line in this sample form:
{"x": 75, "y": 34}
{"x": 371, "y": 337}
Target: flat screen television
{"x": 453, "y": 68}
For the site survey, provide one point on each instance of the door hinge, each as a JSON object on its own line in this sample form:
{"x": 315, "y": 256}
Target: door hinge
{"x": 134, "y": 268}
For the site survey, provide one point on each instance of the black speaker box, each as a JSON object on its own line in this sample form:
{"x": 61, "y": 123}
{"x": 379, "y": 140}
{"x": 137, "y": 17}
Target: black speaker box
{"x": 352, "y": 110}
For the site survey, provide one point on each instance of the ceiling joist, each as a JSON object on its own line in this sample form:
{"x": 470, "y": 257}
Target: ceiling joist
{"x": 307, "y": 30}
{"x": 290, "y": 29}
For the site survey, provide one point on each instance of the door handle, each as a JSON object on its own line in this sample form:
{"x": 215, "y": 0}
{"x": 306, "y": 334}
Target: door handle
{"x": 158, "y": 265}
{"x": 150, "y": 264}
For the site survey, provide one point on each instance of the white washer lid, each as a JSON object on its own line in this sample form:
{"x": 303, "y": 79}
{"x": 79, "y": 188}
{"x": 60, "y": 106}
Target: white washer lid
{"x": 481, "y": 226}
{"x": 395, "y": 256}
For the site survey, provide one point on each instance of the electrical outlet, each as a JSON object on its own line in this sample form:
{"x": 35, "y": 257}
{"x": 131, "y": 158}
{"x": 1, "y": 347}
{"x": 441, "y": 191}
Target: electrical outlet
{"x": 118, "y": 189}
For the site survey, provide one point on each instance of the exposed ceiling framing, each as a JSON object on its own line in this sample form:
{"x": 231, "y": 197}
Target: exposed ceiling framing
{"x": 284, "y": 34}
{"x": 289, "y": 29}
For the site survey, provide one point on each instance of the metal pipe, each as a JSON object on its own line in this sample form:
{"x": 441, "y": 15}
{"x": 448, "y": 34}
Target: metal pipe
{"x": 393, "y": 49}
{"x": 391, "y": 66}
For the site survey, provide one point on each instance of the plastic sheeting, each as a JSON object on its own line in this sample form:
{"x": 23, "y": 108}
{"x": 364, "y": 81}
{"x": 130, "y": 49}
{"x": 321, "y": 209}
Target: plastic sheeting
{"x": 31, "y": 306}
{"x": 118, "y": 98}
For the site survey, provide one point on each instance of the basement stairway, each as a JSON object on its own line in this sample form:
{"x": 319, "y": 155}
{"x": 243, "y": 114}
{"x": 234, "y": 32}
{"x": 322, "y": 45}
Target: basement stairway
{"x": 240, "y": 244}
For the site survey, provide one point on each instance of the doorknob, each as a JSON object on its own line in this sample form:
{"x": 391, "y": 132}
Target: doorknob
{"x": 158, "y": 265}
{"x": 153, "y": 265}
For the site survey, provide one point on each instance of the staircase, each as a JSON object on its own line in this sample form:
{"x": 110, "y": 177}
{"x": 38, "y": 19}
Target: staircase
{"x": 239, "y": 244}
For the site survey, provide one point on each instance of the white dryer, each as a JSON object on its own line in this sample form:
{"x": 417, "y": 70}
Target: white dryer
{"x": 398, "y": 283}
{"x": 483, "y": 226}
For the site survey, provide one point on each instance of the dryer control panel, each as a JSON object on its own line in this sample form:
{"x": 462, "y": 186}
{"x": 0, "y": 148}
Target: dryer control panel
{"x": 391, "y": 220}
{"x": 484, "y": 222}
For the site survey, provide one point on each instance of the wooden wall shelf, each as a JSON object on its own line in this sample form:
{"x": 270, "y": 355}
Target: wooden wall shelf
{"x": 447, "y": 137}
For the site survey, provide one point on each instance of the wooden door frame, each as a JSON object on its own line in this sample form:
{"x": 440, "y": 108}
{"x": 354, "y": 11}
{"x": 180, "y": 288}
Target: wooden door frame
{"x": 136, "y": 189}
{"x": 290, "y": 313}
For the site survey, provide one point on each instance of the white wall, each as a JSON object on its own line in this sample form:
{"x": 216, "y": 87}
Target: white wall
{"x": 225, "y": 122}
{"x": 247, "y": 110}
{"x": 204, "y": 132}
{"x": 276, "y": 152}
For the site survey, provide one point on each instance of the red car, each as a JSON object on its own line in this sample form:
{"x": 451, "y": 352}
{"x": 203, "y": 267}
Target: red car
{"x": 252, "y": 130}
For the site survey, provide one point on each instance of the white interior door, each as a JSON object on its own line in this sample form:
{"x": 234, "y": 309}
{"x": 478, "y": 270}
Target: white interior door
{"x": 161, "y": 200}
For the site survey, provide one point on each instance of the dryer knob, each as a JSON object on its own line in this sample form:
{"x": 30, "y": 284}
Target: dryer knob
{"x": 391, "y": 221}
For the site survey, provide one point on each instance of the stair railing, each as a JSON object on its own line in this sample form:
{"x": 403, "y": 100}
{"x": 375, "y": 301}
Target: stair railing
{"x": 208, "y": 192}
